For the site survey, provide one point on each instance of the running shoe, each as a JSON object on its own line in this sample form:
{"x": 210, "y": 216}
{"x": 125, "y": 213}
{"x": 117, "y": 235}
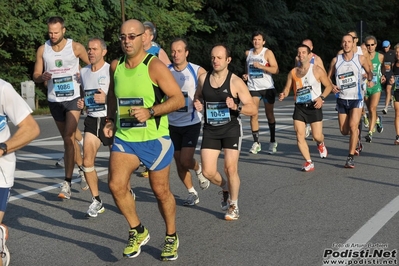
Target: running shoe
{"x": 232, "y": 213}
{"x": 224, "y": 204}
{"x": 65, "y": 191}
{"x": 60, "y": 162}
{"x": 359, "y": 149}
{"x": 350, "y": 163}
{"x": 83, "y": 182}
{"x": 203, "y": 181}
{"x": 365, "y": 121}
{"x": 191, "y": 200}
{"x": 308, "y": 166}
{"x": 307, "y": 130}
{"x": 385, "y": 110}
{"x": 380, "y": 128}
{"x": 256, "y": 147}
{"x": 272, "y": 148}
{"x": 95, "y": 208}
{"x": 169, "y": 251}
{"x": 322, "y": 150}
{"x": 135, "y": 242}
{"x": 4, "y": 253}
{"x": 369, "y": 137}
{"x": 145, "y": 172}
{"x": 397, "y": 140}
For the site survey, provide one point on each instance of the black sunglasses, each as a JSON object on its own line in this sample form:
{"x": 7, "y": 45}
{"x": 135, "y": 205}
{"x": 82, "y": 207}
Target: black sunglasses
{"x": 129, "y": 36}
{"x": 371, "y": 44}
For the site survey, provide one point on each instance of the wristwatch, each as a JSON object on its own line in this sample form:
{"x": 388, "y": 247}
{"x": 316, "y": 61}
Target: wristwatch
{"x": 322, "y": 97}
{"x": 3, "y": 147}
{"x": 152, "y": 112}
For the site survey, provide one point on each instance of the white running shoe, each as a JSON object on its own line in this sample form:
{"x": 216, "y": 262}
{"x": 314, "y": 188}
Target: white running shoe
{"x": 232, "y": 213}
{"x": 272, "y": 148}
{"x": 203, "y": 181}
{"x": 322, "y": 150}
{"x": 307, "y": 131}
{"x": 256, "y": 147}
{"x": 4, "y": 253}
{"x": 95, "y": 208}
{"x": 65, "y": 191}
{"x": 83, "y": 182}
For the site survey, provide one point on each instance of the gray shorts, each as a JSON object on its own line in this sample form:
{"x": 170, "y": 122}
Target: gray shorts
{"x": 59, "y": 109}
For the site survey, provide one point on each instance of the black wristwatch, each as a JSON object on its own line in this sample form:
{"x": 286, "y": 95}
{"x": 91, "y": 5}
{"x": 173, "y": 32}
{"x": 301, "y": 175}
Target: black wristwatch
{"x": 3, "y": 147}
{"x": 322, "y": 97}
{"x": 152, "y": 112}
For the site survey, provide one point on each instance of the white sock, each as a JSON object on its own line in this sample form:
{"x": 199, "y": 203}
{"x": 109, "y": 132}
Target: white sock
{"x": 192, "y": 190}
{"x": 234, "y": 202}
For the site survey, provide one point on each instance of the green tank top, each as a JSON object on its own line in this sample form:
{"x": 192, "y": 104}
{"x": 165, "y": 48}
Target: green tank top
{"x": 376, "y": 64}
{"x": 134, "y": 87}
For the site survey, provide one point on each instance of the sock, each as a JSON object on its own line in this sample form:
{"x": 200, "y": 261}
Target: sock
{"x": 69, "y": 180}
{"x": 192, "y": 190}
{"x": 234, "y": 202}
{"x": 199, "y": 169}
{"x": 309, "y": 161}
{"x": 351, "y": 155}
{"x": 80, "y": 167}
{"x": 139, "y": 228}
{"x": 255, "y": 135}
{"x": 225, "y": 187}
{"x": 97, "y": 198}
{"x": 172, "y": 235}
{"x": 272, "y": 128}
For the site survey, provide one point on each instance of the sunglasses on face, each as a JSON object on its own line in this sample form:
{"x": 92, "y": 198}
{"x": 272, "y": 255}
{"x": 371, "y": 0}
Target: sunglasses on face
{"x": 370, "y": 44}
{"x": 130, "y": 37}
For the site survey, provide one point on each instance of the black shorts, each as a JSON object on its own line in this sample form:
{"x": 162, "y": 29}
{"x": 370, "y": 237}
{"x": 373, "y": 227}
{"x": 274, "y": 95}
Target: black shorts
{"x": 59, "y": 109}
{"x": 228, "y": 137}
{"x": 396, "y": 95}
{"x": 95, "y": 126}
{"x": 307, "y": 113}
{"x": 186, "y": 136}
{"x": 268, "y": 96}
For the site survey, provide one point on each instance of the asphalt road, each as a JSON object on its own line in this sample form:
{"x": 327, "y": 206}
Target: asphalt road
{"x": 287, "y": 217}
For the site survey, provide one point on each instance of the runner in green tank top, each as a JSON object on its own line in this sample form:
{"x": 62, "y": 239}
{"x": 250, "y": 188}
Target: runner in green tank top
{"x": 138, "y": 86}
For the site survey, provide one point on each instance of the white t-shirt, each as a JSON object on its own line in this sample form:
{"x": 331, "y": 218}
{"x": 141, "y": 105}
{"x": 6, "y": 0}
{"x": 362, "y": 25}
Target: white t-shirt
{"x": 15, "y": 109}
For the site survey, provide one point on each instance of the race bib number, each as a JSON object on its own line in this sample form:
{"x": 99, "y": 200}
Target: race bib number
{"x": 255, "y": 73}
{"x": 375, "y": 77}
{"x": 387, "y": 66}
{"x": 124, "y": 112}
{"x": 91, "y": 105}
{"x": 396, "y": 81}
{"x": 185, "y": 108}
{"x": 63, "y": 87}
{"x": 303, "y": 95}
{"x": 346, "y": 80}
{"x": 217, "y": 113}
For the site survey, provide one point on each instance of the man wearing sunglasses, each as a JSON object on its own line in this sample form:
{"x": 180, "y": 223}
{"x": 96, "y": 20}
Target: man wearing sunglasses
{"x": 372, "y": 96}
{"x": 142, "y": 92}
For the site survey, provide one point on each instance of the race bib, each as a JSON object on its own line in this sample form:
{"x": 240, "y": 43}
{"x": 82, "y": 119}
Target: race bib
{"x": 217, "y": 113}
{"x": 91, "y": 105}
{"x": 303, "y": 95}
{"x": 124, "y": 110}
{"x": 346, "y": 80}
{"x": 255, "y": 73}
{"x": 63, "y": 87}
{"x": 185, "y": 107}
{"x": 387, "y": 66}
{"x": 396, "y": 81}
